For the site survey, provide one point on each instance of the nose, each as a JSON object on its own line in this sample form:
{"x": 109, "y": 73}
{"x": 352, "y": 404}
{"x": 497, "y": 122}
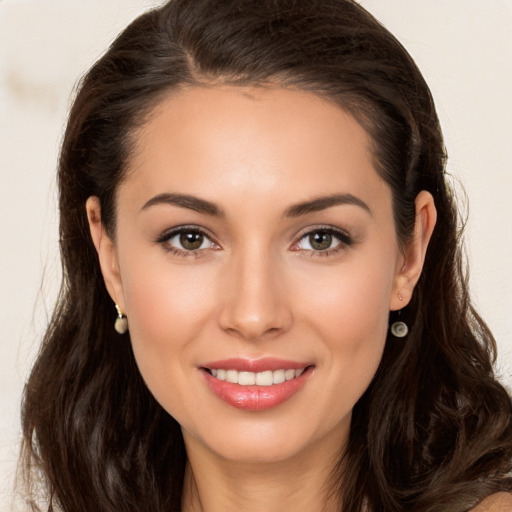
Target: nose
{"x": 255, "y": 303}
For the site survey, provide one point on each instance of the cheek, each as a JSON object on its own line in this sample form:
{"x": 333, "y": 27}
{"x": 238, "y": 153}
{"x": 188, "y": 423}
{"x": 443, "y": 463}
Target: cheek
{"x": 350, "y": 302}
{"x": 158, "y": 300}
{"x": 166, "y": 307}
{"x": 349, "y": 311}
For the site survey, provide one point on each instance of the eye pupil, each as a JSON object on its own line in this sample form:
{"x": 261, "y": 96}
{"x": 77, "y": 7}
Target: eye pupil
{"x": 320, "y": 240}
{"x": 191, "y": 241}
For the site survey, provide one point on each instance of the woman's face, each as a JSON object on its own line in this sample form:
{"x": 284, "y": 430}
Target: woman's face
{"x": 255, "y": 243}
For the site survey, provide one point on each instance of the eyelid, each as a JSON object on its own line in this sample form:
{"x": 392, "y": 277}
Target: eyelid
{"x": 170, "y": 233}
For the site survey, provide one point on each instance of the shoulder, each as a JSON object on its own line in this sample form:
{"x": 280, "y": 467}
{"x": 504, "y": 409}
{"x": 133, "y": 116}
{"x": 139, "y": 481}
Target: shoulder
{"x": 499, "y": 502}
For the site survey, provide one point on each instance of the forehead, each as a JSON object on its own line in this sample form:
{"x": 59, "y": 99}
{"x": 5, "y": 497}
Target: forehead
{"x": 251, "y": 142}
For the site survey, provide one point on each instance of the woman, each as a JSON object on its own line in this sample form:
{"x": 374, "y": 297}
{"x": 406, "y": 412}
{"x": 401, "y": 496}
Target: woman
{"x": 263, "y": 304}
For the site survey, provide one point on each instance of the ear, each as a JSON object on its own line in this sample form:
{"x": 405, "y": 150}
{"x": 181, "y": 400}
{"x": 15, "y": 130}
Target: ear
{"x": 411, "y": 263}
{"x": 106, "y": 250}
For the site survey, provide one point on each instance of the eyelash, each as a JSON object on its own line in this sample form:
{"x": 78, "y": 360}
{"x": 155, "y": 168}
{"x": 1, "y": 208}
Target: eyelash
{"x": 167, "y": 236}
{"x": 344, "y": 239}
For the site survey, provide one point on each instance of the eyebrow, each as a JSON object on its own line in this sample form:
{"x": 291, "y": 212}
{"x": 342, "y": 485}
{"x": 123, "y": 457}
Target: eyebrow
{"x": 296, "y": 210}
{"x": 324, "y": 202}
{"x": 185, "y": 201}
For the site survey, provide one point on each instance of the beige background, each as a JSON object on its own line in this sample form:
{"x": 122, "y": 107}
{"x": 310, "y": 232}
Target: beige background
{"x": 464, "y": 48}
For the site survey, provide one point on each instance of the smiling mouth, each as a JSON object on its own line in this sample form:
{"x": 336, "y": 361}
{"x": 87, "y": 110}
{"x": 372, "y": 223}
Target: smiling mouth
{"x": 256, "y": 385}
{"x": 266, "y": 378}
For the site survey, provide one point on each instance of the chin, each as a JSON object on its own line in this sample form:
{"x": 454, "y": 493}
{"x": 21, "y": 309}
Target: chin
{"x": 256, "y": 441}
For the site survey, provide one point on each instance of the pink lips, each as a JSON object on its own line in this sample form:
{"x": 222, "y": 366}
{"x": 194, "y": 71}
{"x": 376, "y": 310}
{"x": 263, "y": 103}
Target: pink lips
{"x": 254, "y": 397}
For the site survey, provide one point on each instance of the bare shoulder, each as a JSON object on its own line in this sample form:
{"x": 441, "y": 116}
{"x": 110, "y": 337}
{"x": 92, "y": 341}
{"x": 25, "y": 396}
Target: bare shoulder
{"x": 499, "y": 502}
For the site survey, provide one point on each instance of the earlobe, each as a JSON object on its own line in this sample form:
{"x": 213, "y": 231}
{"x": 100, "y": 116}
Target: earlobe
{"x": 415, "y": 251}
{"x": 106, "y": 250}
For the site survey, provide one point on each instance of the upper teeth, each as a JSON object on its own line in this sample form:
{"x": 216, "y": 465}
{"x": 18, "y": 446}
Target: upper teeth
{"x": 259, "y": 379}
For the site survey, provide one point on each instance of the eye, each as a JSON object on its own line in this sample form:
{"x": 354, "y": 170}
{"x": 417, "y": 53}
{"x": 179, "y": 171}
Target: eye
{"x": 186, "y": 240}
{"x": 190, "y": 241}
{"x": 323, "y": 240}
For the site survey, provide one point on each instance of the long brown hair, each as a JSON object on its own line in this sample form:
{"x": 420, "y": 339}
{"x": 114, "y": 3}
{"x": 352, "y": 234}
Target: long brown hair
{"x": 434, "y": 429}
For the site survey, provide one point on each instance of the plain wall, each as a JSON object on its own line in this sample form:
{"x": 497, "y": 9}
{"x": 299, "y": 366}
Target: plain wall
{"x": 462, "y": 46}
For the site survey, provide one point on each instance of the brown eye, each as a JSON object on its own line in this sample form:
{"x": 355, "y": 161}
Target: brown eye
{"x": 191, "y": 240}
{"x": 324, "y": 241}
{"x": 320, "y": 240}
{"x": 186, "y": 240}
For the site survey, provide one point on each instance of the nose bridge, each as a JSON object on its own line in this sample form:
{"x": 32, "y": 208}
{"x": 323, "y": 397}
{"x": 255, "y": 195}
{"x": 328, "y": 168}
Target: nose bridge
{"x": 254, "y": 304}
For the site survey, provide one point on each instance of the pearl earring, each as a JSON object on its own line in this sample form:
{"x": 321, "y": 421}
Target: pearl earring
{"x": 399, "y": 329}
{"x": 121, "y": 323}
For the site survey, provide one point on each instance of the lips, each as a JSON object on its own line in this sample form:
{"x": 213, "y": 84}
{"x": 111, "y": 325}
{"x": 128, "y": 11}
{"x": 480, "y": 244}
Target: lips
{"x": 256, "y": 385}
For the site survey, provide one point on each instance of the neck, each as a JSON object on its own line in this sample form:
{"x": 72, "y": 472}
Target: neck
{"x": 301, "y": 483}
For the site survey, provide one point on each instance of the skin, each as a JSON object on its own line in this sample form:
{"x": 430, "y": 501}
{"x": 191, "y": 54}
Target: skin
{"x": 256, "y": 288}
{"x": 499, "y": 502}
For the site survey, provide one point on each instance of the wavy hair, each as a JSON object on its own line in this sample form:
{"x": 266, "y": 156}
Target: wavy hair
{"x": 434, "y": 429}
